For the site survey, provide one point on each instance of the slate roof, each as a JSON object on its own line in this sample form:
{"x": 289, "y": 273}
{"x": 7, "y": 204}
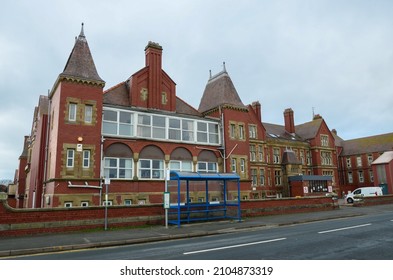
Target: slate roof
{"x": 303, "y": 132}
{"x": 183, "y": 107}
{"x": 80, "y": 63}
{"x": 308, "y": 130}
{"x": 289, "y": 157}
{"x": 118, "y": 95}
{"x": 220, "y": 90}
{"x": 278, "y": 131}
{"x": 338, "y": 141}
{"x": 371, "y": 144}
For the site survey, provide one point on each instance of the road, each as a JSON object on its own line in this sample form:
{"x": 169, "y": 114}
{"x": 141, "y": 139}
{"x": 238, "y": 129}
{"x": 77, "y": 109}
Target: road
{"x": 366, "y": 237}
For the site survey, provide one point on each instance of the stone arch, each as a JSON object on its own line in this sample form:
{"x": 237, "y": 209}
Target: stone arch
{"x": 119, "y": 150}
{"x": 152, "y": 152}
{"x": 207, "y": 155}
{"x": 181, "y": 154}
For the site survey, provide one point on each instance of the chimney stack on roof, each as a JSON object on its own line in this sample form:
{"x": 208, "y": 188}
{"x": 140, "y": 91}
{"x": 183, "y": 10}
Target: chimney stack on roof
{"x": 153, "y": 53}
{"x": 256, "y": 106}
{"x": 289, "y": 120}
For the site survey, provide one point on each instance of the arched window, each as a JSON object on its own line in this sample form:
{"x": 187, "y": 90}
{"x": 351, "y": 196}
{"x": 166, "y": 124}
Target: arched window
{"x": 151, "y": 163}
{"x": 181, "y": 160}
{"x": 207, "y": 162}
{"x": 118, "y": 162}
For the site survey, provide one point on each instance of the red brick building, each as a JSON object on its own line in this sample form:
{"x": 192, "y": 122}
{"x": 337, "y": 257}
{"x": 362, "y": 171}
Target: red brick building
{"x": 134, "y": 131}
{"x": 357, "y": 157}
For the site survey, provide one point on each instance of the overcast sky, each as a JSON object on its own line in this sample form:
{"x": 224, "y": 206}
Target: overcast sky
{"x": 333, "y": 56}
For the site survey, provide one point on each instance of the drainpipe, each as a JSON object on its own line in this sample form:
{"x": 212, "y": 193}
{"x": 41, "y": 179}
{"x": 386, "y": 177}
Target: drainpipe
{"x": 223, "y": 139}
{"x": 101, "y": 166}
{"x": 46, "y": 152}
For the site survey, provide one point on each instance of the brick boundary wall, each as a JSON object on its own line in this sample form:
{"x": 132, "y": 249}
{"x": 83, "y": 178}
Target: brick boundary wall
{"x": 374, "y": 200}
{"x": 18, "y": 222}
{"x": 253, "y": 208}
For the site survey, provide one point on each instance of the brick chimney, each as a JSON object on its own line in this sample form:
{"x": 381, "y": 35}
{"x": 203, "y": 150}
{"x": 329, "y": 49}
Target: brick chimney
{"x": 289, "y": 120}
{"x": 256, "y": 106}
{"x": 153, "y": 52}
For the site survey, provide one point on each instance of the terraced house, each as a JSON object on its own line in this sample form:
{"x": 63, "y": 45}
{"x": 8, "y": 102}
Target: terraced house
{"x": 134, "y": 131}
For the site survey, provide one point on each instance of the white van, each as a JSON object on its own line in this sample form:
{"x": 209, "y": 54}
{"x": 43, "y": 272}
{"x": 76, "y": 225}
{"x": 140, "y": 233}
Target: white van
{"x": 360, "y": 192}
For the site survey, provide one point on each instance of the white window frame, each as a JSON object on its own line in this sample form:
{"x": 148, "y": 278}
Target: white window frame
{"x": 253, "y": 153}
{"x": 84, "y": 204}
{"x": 350, "y": 178}
{"x": 183, "y": 165}
{"x": 361, "y": 176}
{"x": 107, "y": 202}
{"x": 241, "y": 132}
{"x": 86, "y": 159}
{"x": 68, "y": 204}
{"x": 119, "y": 125}
{"x": 369, "y": 159}
{"x": 233, "y": 164}
{"x": 371, "y": 174}
{"x": 277, "y": 178}
{"x": 151, "y": 169}
{"x": 158, "y": 131}
{"x": 326, "y": 158}
{"x": 309, "y": 157}
{"x": 302, "y": 156}
{"x": 127, "y": 168}
{"x": 359, "y": 161}
{"x": 242, "y": 165}
{"x": 232, "y": 130}
{"x": 161, "y": 127}
{"x": 252, "y": 131}
{"x": 210, "y": 166}
{"x": 276, "y": 155}
{"x": 187, "y": 133}
{"x": 262, "y": 176}
{"x": 72, "y": 111}
{"x": 254, "y": 177}
{"x": 324, "y": 140}
{"x": 174, "y": 129}
{"x": 349, "y": 164}
{"x": 144, "y": 126}
{"x": 261, "y": 153}
{"x": 70, "y": 158}
{"x": 88, "y": 113}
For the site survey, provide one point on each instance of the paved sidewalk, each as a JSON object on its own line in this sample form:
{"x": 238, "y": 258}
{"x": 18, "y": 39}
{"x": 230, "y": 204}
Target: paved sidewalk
{"x": 13, "y": 246}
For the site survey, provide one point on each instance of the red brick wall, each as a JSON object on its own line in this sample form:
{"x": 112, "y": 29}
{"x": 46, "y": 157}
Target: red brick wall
{"x": 33, "y": 221}
{"x": 375, "y": 200}
{"x": 285, "y": 206}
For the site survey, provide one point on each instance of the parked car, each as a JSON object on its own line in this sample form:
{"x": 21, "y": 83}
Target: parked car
{"x": 359, "y": 193}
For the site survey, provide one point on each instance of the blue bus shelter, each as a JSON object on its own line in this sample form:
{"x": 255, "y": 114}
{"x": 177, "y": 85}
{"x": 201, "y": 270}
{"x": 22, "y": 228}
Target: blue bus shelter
{"x": 196, "y": 196}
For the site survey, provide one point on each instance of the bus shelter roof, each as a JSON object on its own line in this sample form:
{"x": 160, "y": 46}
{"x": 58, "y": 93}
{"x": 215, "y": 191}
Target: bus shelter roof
{"x": 200, "y": 176}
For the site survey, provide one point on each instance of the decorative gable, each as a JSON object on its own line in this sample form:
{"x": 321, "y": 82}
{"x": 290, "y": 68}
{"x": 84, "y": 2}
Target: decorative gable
{"x": 151, "y": 87}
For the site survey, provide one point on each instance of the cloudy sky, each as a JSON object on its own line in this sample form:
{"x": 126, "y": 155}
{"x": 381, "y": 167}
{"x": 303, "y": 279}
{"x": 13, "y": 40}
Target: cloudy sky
{"x": 333, "y": 57}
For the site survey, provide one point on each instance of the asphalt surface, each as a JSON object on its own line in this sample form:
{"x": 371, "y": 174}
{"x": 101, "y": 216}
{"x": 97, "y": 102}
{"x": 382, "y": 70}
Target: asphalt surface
{"x": 13, "y": 246}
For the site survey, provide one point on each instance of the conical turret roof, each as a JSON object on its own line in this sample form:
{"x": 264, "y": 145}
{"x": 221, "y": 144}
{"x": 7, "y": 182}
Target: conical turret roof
{"x": 80, "y": 64}
{"x": 220, "y": 91}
